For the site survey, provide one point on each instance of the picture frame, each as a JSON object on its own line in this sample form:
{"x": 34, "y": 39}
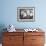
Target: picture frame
{"x": 26, "y": 14}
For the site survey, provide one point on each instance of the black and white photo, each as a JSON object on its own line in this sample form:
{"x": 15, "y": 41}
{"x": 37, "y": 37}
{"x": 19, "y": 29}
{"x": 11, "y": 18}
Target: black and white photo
{"x": 26, "y": 14}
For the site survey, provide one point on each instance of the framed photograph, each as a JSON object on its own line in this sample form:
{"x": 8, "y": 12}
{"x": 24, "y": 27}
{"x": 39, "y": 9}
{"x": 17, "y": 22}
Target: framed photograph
{"x": 26, "y": 14}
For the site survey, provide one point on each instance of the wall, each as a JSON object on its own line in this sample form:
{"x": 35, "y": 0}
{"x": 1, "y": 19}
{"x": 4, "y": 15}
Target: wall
{"x": 8, "y": 13}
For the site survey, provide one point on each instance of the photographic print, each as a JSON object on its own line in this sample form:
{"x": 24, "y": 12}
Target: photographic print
{"x": 26, "y": 14}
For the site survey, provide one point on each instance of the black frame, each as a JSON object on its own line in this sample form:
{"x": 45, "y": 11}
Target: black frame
{"x": 26, "y": 14}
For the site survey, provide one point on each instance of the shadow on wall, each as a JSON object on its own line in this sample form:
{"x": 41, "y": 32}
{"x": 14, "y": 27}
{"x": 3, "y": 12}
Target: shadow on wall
{"x": 2, "y": 26}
